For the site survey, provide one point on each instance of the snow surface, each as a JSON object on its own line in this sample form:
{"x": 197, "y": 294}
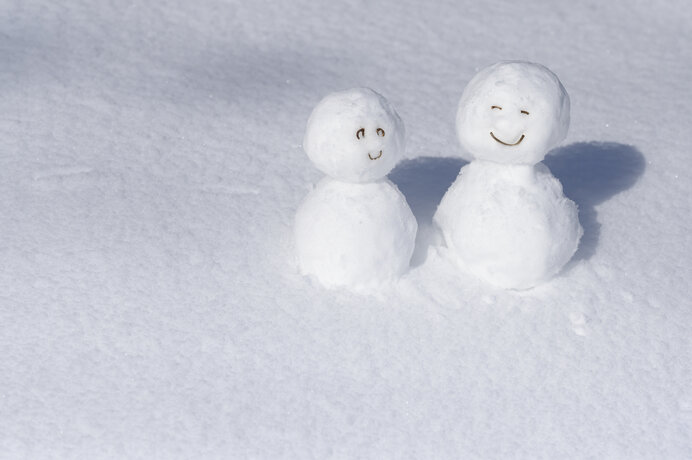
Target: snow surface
{"x": 151, "y": 169}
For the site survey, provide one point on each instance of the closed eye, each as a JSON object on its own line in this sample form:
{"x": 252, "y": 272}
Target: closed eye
{"x": 524, "y": 112}
{"x": 360, "y": 133}
{"x": 496, "y": 107}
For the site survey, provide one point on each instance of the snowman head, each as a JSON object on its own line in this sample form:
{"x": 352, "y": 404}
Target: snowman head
{"x": 354, "y": 136}
{"x": 512, "y": 112}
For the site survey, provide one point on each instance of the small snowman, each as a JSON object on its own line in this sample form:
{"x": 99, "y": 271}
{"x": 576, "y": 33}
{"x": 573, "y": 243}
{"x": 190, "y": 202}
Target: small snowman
{"x": 505, "y": 219}
{"x": 355, "y": 228}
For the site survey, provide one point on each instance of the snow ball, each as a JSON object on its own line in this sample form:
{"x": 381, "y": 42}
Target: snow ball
{"x": 512, "y": 112}
{"x": 354, "y": 135}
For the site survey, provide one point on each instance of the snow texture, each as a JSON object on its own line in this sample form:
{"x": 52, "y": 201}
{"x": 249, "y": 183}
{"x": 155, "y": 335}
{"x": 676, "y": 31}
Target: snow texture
{"x": 151, "y": 169}
{"x": 504, "y": 219}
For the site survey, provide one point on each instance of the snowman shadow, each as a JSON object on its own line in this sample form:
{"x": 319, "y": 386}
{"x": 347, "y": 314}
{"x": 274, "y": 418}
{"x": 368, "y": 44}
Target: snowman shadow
{"x": 424, "y": 181}
{"x": 592, "y": 173}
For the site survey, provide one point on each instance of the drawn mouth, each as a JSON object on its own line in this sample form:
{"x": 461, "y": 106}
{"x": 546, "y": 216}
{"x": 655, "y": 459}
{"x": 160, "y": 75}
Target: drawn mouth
{"x": 375, "y": 158}
{"x": 505, "y": 143}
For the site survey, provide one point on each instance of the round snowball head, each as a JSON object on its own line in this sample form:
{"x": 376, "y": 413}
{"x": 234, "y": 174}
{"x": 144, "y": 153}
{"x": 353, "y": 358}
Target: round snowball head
{"x": 512, "y": 112}
{"x": 354, "y": 136}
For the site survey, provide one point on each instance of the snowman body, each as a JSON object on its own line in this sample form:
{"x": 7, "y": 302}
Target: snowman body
{"x": 354, "y": 234}
{"x": 509, "y": 225}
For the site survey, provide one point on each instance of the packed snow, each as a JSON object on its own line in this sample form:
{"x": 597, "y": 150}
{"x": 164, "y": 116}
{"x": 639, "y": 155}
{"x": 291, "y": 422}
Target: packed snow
{"x": 355, "y": 229}
{"x": 354, "y": 136}
{"x": 152, "y": 168}
{"x": 356, "y": 235}
{"x": 510, "y": 225}
{"x": 513, "y": 113}
{"x": 505, "y": 219}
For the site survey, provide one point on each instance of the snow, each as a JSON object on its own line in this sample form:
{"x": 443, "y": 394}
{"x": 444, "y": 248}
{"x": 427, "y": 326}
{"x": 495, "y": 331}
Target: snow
{"x": 151, "y": 170}
{"x": 355, "y": 136}
{"x": 505, "y": 219}
{"x": 513, "y": 113}
{"x": 355, "y": 229}
{"x": 355, "y": 235}
{"x": 509, "y": 225}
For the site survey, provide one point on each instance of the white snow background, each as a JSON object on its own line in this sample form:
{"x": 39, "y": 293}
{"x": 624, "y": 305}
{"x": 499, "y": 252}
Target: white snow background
{"x": 151, "y": 166}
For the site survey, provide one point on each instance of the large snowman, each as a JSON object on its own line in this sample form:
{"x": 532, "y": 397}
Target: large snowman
{"x": 505, "y": 219}
{"x": 355, "y": 228}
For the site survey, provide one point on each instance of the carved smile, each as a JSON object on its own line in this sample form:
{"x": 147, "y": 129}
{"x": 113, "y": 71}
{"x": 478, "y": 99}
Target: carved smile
{"x": 505, "y": 143}
{"x": 375, "y": 158}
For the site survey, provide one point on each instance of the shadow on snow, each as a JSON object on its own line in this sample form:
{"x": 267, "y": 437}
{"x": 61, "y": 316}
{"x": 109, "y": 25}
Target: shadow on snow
{"x": 590, "y": 172}
{"x": 424, "y": 181}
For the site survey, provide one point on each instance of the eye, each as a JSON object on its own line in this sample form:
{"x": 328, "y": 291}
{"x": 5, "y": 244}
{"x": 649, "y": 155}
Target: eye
{"x": 524, "y": 112}
{"x": 496, "y": 107}
{"x": 380, "y": 132}
{"x": 360, "y": 133}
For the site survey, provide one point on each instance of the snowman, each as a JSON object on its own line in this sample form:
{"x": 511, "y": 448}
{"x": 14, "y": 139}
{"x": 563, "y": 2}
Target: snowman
{"x": 505, "y": 219}
{"x": 355, "y": 228}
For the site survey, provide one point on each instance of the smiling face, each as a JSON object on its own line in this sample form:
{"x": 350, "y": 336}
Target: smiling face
{"x": 354, "y": 136}
{"x": 512, "y": 112}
